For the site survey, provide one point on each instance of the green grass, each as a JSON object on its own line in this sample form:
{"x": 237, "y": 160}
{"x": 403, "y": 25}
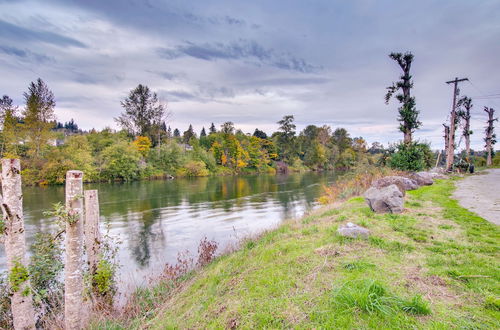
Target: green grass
{"x": 436, "y": 266}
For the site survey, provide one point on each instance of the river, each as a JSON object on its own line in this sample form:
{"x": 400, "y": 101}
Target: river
{"x": 155, "y": 220}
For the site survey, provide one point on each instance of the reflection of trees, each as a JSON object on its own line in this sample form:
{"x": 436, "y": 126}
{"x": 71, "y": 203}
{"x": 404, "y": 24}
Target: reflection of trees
{"x": 143, "y": 205}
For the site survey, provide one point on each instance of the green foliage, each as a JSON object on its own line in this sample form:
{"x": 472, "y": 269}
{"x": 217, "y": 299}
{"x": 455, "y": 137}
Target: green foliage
{"x": 411, "y": 157}
{"x": 104, "y": 277}
{"x": 46, "y": 266}
{"x": 18, "y": 274}
{"x": 408, "y": 114}
{"x": 63, "y": 214}
{"x": 193, "y": 169}
{"x": 120, "y": 162}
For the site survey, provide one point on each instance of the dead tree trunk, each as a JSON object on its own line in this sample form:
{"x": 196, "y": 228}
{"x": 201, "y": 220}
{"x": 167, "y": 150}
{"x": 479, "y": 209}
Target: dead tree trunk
{"x": 92, "y": 235}
{"x": 446, "y": 138}
{"x": 15, "y": 246}
{"x": 73, "y": 279}
{"x": 490, "y": 136}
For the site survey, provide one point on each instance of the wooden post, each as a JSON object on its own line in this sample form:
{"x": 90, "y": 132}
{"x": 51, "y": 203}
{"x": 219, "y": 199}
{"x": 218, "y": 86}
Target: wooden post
{"x": 73, "y": 279}
{"x": 15, "y": 246}
{"x": 92, "y": 234}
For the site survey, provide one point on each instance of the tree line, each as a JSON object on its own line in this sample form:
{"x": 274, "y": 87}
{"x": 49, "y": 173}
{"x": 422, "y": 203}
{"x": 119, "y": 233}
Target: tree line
{"x": 147, "y": 147}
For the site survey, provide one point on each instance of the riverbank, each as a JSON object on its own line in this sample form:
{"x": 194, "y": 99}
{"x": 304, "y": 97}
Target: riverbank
{"x": 434, "y": 266}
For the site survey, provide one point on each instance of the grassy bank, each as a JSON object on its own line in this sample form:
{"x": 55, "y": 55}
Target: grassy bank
{"x": 434, "y": 266}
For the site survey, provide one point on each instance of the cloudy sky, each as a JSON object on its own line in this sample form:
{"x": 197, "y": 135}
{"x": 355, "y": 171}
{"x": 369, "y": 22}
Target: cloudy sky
{"x": 252, "y": 62}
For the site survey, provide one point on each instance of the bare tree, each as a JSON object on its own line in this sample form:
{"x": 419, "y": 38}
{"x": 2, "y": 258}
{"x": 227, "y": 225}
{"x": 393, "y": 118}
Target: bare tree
{"x": 408, "y": 114}
{"x": 73, "y": 279}
{"x": 446, "y": 138}
{"x": 490, "y": 138}
{"x": 15, "y": 246}
{"x": 465, "y": 105}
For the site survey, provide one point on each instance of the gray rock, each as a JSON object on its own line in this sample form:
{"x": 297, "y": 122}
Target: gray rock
{"x": 422, "y": 178}
{"x": 385, "y": 200}
{"x": 401, "y": 182}
{"x": 354, "y": 231}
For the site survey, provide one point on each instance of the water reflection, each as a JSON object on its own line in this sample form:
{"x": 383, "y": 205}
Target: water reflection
{"x": 157, "y": 219}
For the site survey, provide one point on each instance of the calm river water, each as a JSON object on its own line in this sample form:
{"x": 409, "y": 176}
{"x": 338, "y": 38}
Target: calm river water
{"x": 155, "y": 220}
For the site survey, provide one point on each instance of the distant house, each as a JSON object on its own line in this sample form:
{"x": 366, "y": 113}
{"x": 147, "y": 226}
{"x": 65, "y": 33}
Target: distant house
{"x": 186, "y": 147}
{"x": 56, "y": 142}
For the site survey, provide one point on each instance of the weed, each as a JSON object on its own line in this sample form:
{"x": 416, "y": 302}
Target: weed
{"x": 206, "y": 252}
{"x": 416, "y": 306}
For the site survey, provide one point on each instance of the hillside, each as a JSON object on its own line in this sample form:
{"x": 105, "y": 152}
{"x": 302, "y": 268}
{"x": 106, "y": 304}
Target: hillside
{"x": 434, "y": 266}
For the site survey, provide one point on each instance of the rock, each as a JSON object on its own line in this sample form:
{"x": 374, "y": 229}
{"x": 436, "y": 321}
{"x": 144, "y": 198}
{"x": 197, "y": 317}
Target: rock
{"x": 401, "y": 182}
{"x": 437, "y": 174}
{"x": 354, "y": 231}
{"x": 385, "y": 200}
{"x": 422, "y": 178}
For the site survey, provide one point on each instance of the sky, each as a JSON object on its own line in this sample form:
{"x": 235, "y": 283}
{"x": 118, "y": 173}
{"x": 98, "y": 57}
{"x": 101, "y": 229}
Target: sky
{"x": 252, "y": 62}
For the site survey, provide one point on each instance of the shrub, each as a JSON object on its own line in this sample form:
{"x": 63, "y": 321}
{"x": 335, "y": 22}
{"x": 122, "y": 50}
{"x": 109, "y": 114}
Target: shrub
{"x": 121, "y": 161}
{"x": 193, "y": 169}
{"x": 411, "y": 157}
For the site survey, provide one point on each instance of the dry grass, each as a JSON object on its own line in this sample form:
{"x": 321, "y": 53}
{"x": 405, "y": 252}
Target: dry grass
{"x": 355, "y": 183}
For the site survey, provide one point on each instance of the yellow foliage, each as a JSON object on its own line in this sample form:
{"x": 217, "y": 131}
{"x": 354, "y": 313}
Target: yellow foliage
{"x": 142, "y": 144}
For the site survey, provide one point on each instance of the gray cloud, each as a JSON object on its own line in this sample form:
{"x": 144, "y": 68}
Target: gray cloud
{"x": 241, "y": 49}
{"x": 26, "y": 54}
{"x": 11, "y": 31}
{"x": 252, "y": 62}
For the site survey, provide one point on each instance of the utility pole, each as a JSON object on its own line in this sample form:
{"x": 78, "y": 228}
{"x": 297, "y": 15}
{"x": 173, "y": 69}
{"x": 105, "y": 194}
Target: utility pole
{"x": 451, "y": 138}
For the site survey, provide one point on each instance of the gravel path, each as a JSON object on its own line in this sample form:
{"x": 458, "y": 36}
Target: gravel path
{"x": 481, "y": 194}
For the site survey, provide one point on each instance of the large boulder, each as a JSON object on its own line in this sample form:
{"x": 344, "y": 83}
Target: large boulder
{"x": 385, "y": 200}
{"x": 354, "y": 231}
{"x": 422, "y": 178}
{"x": 401, "y": 182}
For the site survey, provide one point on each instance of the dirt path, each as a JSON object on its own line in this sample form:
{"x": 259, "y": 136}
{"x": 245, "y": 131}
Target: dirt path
{"x": 481, "y": 195}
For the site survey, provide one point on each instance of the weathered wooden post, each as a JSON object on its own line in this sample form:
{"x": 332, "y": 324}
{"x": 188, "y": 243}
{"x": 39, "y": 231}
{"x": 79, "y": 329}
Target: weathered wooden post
{"x": 15, "y": 246}
{"x": 92, "y": 234}
{"x": 73, "y": 279}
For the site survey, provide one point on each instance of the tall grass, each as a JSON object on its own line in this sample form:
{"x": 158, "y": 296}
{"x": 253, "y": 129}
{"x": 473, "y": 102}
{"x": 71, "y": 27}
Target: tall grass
{"x": 355, "y": 183}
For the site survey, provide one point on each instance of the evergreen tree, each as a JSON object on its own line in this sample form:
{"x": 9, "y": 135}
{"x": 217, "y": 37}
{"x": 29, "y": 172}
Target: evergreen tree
{"x": 143, "y": 113}
{"x": 408, "y": 114}
{"x": 177, "y": 133}
{"x": 212, "y": 129}
{"x": 38, "y": 114}
{"x": 188, "y": 134}
{"x": 203, "y": 133}
{"x": 260, "y": 134}
{"x": 286, "y": 136}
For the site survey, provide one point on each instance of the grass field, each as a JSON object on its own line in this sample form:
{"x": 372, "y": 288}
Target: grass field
{"x": 436, "y": 266}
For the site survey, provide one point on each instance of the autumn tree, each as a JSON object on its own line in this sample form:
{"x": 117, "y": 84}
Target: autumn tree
{"x": 38, "y": 114}
{"x": 142, "y": 144}
{"x": 143, "y": 113}
{"x": 465, "y": 106}
{"x": 408, "y": 114}
{"x": 490, "y": 138}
